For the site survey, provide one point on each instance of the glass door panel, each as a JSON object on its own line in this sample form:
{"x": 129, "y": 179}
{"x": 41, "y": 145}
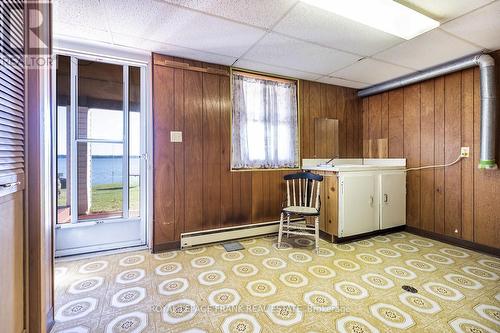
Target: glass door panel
{"x": 63, "y": 139}
{"x": 100, "y": 180}
{"x": 134, "y": 141}
{"x": 100, "y": 141}
{"x": 100, "y": 101}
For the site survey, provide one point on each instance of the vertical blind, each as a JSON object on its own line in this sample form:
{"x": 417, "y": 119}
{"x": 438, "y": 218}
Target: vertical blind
{"x": 11, "y": 90}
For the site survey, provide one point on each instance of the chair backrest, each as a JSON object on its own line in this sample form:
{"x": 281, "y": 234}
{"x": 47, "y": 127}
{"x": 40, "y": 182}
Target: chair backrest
{"x": 302, "y": 189}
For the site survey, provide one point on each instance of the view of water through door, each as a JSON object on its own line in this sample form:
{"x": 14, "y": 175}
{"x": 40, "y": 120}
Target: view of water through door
{"x": 100, "y": 148}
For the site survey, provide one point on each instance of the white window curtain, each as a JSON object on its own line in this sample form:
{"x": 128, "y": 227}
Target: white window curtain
{"x": 264, "y": 123}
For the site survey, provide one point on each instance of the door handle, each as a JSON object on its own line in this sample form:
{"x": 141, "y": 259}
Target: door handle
{"x": 371, "y": 200}
{"x": 9, "y": 185}
{"x": 386, "y": 198}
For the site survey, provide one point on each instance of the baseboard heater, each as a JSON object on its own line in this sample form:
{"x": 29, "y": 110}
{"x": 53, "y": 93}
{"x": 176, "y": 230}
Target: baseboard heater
{"x": 190, "y": 239}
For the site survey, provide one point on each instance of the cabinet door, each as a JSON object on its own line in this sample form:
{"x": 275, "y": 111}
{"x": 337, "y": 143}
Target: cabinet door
{"x": 11, "y": 259}
{"x": 358, "y": 204}
{"x": 392, "y": 199}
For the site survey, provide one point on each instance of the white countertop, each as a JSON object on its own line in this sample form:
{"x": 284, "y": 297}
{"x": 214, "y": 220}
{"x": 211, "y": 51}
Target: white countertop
{"x": 348, "y": 167}
{"x": 351, "y": 165}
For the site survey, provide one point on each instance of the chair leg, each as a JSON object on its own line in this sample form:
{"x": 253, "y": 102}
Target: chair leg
{"x": 280, "y": 231}
{"x": 288, "y": 225}
{"x": 316, "y": 233}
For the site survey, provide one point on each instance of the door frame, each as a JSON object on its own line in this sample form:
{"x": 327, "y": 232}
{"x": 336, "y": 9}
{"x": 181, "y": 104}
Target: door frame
{"x": 38, "y": 194}
{"x": 121, "y": 57}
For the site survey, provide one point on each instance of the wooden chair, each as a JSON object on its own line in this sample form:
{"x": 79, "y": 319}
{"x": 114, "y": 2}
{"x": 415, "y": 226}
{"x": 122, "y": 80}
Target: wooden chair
{"x": 302, "y": 200}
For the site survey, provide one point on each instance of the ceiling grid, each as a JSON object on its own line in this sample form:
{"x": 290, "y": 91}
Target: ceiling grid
{"x": 286, "y": 37}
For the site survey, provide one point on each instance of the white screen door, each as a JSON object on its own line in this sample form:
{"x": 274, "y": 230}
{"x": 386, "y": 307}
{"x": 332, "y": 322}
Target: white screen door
{"x": 100, "y": 144}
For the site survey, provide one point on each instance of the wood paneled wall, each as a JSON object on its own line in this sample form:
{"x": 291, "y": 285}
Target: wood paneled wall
{"x": 193, "y": 187}
{"x": 319, "y": 100}
{"x": 427, "y": 123}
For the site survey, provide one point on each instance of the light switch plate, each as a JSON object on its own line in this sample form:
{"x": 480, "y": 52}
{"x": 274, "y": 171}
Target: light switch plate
{"x": 175, "y": 136}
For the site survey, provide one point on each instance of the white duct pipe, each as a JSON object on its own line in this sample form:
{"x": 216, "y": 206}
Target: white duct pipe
{"x": 488, "y": 96}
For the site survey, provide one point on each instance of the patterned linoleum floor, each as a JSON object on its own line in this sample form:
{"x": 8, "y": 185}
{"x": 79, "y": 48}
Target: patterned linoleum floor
{"x": 354, "y": 287}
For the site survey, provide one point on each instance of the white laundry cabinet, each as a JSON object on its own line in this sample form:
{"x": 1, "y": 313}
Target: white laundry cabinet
{"x": 371, "y": 200}
{"x": 362, "y": 198}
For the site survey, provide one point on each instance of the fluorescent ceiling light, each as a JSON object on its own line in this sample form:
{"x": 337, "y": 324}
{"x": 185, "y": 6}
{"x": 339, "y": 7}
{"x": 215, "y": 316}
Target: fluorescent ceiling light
{"x": 386, "y": 15}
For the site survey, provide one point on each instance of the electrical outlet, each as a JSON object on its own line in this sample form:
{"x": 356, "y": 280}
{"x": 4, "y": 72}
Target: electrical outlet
{"x": 175, "y": 136}
{"x": 464, "y": 152}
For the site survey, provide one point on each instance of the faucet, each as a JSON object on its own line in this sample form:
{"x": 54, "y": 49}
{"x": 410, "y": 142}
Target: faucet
{"x": 330, "y": 160}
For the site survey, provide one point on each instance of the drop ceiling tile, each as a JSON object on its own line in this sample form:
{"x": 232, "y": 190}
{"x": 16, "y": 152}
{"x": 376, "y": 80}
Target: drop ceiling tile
{"x": 371, "y": 71}
{"x": 137, "y": 18}
{"x": 278, "y": 70}
{"x": 342, "y": 82}
{"x": 162, "y": 22}
{"x": 172, "y": 50}
{"x": 444, "y": 10}
{"x": 432, "y": 48}
{"x": 61, "y": 29}
{"x": 279, "y": 50}
{"x": 481, "y": 27}
{"x": 87, "y": 13}
{"x": 320, "y": 26}
{"x": 261, "y": 13}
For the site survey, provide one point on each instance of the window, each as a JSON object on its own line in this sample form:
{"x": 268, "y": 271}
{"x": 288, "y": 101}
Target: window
{"x": 264, "y": 122}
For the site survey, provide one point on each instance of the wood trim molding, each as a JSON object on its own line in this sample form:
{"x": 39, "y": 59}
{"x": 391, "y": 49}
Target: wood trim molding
{"x": 454, "y": 241}
{"x": 261, "y": 76}
{"x": 39, "y": 227}
{"x": 189, "y": 67}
